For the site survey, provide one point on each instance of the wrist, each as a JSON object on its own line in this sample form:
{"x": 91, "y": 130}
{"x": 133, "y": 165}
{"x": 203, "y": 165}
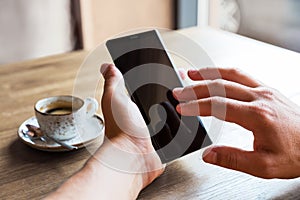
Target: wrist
{"x": 118, "y": 162}
{"x": 125, "y": 155}
{"x": 115, "y": 184}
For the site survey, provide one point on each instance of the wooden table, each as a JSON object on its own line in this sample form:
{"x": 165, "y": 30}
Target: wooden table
{"x": 26, "y": 173}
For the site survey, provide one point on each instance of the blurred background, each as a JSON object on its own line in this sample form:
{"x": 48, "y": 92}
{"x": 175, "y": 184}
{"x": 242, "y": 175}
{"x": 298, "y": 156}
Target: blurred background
{"x": 35, "y": 28}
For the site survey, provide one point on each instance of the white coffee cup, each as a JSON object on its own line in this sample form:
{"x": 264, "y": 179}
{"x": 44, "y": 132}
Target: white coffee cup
{"x": 60, "y": 117}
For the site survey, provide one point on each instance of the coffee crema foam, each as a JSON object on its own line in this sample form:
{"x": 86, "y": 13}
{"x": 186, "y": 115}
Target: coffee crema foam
{"x": 59, "y": 108}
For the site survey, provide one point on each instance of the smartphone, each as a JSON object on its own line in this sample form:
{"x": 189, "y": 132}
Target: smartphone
{"x": 150, "y": 77}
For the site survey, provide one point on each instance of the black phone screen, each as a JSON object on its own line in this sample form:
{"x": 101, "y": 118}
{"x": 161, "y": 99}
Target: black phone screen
{"x": 150, "y": 78}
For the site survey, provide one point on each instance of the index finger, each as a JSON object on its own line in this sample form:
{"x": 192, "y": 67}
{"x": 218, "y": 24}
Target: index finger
{"x": 229, "y": 74}
{"x": 225, "y": 109}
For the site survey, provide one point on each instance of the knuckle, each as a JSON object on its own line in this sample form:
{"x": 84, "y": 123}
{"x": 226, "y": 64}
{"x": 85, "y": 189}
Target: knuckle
{"x": 216, "y": 87}
{"x": 232, "y": 161}
{"x": 234, "y": 71}
{"x": 265, "y": 93}
{"x": 263, "y": 111}
{"x": 228, "y": 161}
{"x": 267, "y": 170}
{"x": 216, "y": 100}
{"x": 216, "y": 83}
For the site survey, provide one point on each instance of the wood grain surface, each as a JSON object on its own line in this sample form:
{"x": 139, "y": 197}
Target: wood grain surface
{"x": 26, "y": 173}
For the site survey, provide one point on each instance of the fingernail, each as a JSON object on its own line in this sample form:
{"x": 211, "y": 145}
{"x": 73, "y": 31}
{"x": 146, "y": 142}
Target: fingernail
{"x": 193, "y": 71}
{"x": 210, "y": 156}
{"x": 182, "y": 73}
{"x": 104, "y": 68}
{"x": 178, "y": 108}
{"x": 177, "y": 91}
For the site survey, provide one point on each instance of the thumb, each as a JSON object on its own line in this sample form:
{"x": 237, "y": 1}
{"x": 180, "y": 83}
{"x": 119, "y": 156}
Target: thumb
{"x": 118, "y": 109}
{"x": 112, "y": 77}
{"x": 232, "y": 158}
{"x": 112, "y": 96}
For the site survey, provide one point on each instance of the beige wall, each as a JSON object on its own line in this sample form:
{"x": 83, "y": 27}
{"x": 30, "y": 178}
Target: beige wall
{"x": 34, "y": 28}
{"x": 102, "y": 19}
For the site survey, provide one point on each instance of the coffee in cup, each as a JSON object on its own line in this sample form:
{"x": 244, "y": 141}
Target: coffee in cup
{"x": 59, "y": 108}
{"x": 61, "y": 117}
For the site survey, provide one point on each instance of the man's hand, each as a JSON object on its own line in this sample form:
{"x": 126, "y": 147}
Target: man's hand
{"x": 273, "y": 119}
{"x": 126, "y": 129}
{"x": 126, "y": 162}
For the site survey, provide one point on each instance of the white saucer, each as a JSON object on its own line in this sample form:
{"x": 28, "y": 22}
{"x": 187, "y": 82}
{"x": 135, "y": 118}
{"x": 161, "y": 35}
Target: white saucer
{"x": 92, "y": 131}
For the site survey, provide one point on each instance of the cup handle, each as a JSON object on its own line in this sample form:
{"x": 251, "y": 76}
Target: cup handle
{"x": 91, "y": 106}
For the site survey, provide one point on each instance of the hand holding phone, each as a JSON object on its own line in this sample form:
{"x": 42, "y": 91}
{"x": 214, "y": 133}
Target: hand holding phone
{"x": 150, "y": 78}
